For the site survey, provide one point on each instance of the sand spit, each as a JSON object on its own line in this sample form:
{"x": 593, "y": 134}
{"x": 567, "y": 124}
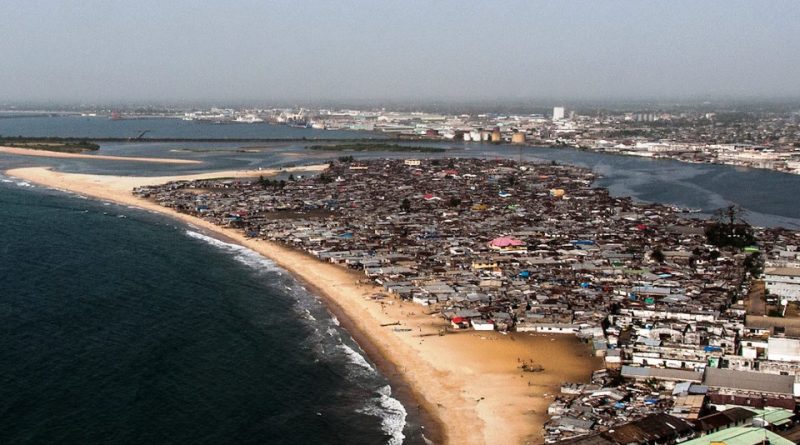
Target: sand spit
{"x": 469, "y": 382}
{"x": 57, "y": 154}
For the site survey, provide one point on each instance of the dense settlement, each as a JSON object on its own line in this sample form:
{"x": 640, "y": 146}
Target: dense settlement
{"x": 672, "y": 305}
{"x": 760, "y": 137}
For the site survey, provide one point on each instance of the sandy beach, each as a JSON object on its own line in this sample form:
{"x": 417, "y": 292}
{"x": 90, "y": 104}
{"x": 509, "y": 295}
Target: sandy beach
{"x": 468, "y": 382}
{"x": 57, "y": 154}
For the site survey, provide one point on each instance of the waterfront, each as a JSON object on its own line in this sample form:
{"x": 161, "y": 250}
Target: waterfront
{"x": 515, "y": 406}
{"x": 681, "y": 184}
{"x": 120, "y": 326}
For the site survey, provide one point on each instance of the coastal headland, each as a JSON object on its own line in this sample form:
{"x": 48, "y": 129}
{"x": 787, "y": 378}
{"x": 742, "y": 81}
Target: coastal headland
{"x": 468, "y": 384}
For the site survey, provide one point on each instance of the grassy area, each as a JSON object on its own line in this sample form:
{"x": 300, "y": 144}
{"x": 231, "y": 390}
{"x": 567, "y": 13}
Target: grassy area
{"x": 50, "y": 144}
{"x": 376, "y": 146}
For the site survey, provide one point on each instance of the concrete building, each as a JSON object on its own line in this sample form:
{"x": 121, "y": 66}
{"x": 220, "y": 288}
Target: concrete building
{"x": 783, "y": 349}
{"x": 558, "y": 113}
{"x": 741, "y": 382}
{"x": 783, "y": 282}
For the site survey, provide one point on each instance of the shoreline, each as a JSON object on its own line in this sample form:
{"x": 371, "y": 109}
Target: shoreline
{"x": 18, "y": 151}
{"x": 467, "y": 384}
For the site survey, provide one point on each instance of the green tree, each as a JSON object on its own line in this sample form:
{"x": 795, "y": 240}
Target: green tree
{"x": 658, "y": 255}
{"x": 729, "y": 229}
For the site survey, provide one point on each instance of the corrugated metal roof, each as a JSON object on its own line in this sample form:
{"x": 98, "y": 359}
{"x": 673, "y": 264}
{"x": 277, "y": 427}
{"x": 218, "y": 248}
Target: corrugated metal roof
{"x": 662, "y": 373}
{"x": 741, "y": 435}
{"x": 749, "y": 381}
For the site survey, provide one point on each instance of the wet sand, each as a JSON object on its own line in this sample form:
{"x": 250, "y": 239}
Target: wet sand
{"x": 467, "y": 383}
{"x": 58, "y": 154}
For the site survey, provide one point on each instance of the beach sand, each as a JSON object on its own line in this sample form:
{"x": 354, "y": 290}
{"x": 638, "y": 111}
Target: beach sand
{"x": 58, "y": 154}
{"x": 468, "y": 383}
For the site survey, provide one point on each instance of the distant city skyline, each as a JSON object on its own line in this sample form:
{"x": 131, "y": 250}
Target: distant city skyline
{"x": 413, "y": 51}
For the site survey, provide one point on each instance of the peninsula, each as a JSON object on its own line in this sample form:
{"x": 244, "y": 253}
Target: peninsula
{"x": 506, "y": 405}
{"x": 455, "y": 275}
{"x": 63, "y": 145}
{"x": 489, "y": 246}
{"x": 43, "y": 153}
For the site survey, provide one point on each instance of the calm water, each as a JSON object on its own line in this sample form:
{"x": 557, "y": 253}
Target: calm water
{"x": 118, "y": 326}
{"x": 101, "y": 127}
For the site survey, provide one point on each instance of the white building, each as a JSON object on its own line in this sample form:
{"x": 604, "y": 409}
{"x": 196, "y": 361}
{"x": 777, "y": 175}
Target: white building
{"x": 558, "y": 113}
{"x": 482, "y": 325}
{"x": 783, "y": 349}
{"x": 783, "y": 282}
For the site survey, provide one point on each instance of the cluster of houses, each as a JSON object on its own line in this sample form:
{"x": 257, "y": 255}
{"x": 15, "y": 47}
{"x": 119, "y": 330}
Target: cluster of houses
{"x": 509, "y": 246}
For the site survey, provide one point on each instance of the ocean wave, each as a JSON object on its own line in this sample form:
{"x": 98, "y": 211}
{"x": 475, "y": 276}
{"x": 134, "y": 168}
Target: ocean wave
{"x": 325, "y": 339}
{"x": 249, "y": 258}
{"x": 308, "y": 315}
{"x": 391, "y": 412}
{"x": 356, "y": 358}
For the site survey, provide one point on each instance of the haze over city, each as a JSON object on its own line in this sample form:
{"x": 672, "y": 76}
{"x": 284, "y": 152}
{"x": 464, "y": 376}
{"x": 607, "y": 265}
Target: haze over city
{"x": 400, "y": 222}
{"x": 181, "y": 51}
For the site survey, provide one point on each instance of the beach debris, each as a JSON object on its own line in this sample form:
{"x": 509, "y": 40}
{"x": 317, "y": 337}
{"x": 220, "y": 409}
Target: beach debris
{"x": 530, "y": 366}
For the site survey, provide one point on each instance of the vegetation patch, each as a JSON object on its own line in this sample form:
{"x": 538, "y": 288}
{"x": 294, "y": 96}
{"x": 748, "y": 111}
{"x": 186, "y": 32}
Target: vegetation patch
{"x": 377, "y": 146}
{"x": 64, "y": 145}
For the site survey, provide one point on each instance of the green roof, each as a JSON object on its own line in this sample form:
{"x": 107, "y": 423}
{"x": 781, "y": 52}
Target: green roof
{"x": 774, "y": 416}
{"x": 740, "y": 435}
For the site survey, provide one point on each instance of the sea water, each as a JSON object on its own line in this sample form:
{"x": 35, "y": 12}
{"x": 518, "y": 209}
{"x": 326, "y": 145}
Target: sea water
{"x": 123, "y": 327}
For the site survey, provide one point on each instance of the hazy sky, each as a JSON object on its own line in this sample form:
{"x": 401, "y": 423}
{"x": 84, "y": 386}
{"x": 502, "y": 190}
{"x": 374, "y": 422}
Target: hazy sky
{"x": 180, "y": 50}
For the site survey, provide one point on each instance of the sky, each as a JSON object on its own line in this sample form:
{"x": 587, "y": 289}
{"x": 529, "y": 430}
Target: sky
{"x": 339, "y": 50}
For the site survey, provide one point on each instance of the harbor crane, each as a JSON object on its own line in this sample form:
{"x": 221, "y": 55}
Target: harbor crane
{"x": 141, "y": 135}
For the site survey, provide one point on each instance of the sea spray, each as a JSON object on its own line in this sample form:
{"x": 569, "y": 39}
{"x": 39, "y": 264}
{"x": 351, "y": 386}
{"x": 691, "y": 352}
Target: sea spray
{"x": 246, "y": 256}
{"x": 391, "y": 412}
{"x": 356, "y": 358}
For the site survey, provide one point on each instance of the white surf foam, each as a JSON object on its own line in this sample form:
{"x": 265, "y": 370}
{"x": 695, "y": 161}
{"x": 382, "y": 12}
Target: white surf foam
{"x": 388, "y": 409}
{"x": 356, "y": 358}
{"x": 242, "y": 254}
{"x": 391, "y": 412}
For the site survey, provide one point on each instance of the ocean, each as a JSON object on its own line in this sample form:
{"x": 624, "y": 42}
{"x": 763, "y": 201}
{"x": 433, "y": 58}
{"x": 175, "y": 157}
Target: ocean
{"x": 124, "y": 327}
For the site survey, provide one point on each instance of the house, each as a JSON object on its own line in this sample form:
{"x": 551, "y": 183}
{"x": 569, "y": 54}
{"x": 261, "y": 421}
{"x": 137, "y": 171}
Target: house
{"x": 507, "y": 244}
{"x": 783, "y": 282}
{"x": 739, "y": 382}
{"x": 674, "y": 375}
{"x": 741, "y": 435}
{"x": 724, "y": 419}
{"x": 482, "y": 325}
{"x": 459, "y": 323}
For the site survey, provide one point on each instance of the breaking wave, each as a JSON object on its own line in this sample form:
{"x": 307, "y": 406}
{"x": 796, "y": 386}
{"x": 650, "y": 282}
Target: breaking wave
{"x": 356, "y": 358}
{"x": 326, "y": 339}
{"x": 391, "y": 412}
{"x": 248, "y": 257}
{"x": 6, "y": 180}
